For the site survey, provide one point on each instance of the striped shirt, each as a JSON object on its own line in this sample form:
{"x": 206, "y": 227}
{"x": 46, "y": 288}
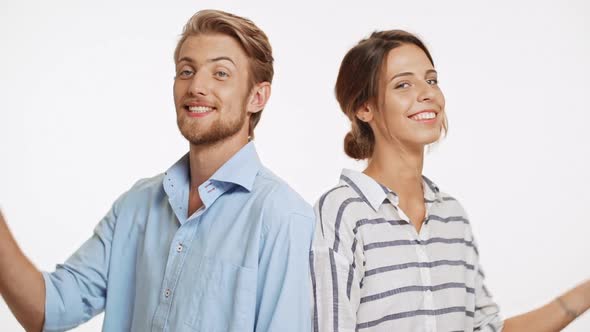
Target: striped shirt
{"x": 372, "y": 271}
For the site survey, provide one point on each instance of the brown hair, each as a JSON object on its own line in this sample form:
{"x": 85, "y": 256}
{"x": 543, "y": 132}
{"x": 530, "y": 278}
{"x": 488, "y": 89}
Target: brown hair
{"x": 252, "y": 39}
{"x": 358, "y": 83}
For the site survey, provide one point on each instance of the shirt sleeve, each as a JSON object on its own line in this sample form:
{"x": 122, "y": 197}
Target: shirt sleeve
{"x": 76, "y": 290}
{"x": 487, "y": 313}
{"x": 283, "y": 282}
{"x": 336, "y": 272}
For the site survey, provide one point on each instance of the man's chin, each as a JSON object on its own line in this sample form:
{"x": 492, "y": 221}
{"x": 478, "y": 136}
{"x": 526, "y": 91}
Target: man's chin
{"x": 204, "y": 138}
{"x": 199, "y": 139}
{"x": 214, "y": 133}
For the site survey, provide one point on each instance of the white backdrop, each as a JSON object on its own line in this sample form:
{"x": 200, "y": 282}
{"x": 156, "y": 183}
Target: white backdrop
{"x": 86, "y": 109}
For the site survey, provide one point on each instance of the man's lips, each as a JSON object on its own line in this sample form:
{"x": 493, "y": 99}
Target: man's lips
{"x": 198, "y": 109}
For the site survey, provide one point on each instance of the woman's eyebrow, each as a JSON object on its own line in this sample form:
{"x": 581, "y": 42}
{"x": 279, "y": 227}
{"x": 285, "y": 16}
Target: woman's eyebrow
{"x": 407, "y": 73}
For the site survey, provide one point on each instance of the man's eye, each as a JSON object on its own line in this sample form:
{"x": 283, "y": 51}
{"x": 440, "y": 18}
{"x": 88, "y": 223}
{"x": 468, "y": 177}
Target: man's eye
{"x": 221, "y": 74}
{"x": 432, "y": 81}
{"x": 185, "y": 73}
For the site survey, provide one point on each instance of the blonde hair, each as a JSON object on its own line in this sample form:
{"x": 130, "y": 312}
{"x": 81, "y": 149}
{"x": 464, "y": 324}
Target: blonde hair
{"x": 252, "y": 39}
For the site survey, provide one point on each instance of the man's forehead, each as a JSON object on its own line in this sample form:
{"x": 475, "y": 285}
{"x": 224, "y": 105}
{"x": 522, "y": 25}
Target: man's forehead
{"x": 212, "y": 47}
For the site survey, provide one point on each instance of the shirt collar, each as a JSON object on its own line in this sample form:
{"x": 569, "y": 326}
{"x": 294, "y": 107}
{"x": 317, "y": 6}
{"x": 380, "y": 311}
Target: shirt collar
{"x": 177, "y": 174}
{"x": 431, "y": 191}
{"x": 374, "y": 193}
{"x": 368, "y": 189}
{"x": 241, "y": 169}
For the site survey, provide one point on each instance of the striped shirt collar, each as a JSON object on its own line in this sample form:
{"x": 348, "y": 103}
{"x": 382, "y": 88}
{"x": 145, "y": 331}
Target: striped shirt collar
{"x": 374, "y": 193}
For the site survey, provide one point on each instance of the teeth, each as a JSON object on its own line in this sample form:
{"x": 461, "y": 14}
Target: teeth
{"x": 424, "y": 116}
{"x": 200, "y": 109}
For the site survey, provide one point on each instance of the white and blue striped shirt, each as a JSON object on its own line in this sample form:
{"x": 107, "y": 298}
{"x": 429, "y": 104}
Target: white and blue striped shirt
{"x": 372, "y": 271}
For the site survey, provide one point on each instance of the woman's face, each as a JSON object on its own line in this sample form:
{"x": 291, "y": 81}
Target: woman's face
{"x": 410, "y": 105}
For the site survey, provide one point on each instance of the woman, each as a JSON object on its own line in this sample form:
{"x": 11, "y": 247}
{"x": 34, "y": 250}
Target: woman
{"x": 391, "y": 251}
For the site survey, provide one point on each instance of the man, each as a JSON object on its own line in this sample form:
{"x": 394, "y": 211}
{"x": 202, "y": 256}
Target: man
{"x": 216, "y": 243}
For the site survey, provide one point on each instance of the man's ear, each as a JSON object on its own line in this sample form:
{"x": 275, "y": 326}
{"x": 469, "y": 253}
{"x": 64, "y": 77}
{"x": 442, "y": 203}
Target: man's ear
{"x": 259, "y": 96}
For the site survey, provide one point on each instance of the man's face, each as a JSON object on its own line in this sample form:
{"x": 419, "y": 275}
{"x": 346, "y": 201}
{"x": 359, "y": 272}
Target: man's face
{"x": 211, "y": 89}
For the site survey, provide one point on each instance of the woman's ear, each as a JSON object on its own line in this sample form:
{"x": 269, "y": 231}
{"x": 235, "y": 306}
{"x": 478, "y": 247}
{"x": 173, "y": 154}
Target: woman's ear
{"x": 365, "y": 113}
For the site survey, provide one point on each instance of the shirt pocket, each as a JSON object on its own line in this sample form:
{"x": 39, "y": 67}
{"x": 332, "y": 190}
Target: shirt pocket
{"x": 225, "y": 299}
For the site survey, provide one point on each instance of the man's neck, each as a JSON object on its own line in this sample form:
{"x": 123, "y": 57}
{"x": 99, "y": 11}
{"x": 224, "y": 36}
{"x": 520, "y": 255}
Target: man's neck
{"x": 205, "y": 160}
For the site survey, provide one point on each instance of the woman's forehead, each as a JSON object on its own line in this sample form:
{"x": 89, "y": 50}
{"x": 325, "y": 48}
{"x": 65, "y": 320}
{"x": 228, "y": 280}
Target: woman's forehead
{"x": 407, "y": 58}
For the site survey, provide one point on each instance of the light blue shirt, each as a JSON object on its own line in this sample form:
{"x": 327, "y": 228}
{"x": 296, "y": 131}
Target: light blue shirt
{"x": 240, "y": 263}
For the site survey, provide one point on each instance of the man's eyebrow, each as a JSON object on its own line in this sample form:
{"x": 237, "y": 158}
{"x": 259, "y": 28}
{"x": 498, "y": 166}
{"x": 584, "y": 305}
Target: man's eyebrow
{"x": 219, "y": 58}
{"x": 185, "y": 58}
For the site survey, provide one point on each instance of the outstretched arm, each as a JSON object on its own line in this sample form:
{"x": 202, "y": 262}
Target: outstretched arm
{"x": 555, "y": 315}
{"x": 21, "y": 283}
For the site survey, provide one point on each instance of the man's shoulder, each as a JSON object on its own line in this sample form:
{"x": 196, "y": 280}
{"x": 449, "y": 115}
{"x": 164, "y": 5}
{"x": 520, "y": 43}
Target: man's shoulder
{"x": 148, "y": 183}
{"x": 143, "y": 190}
{"x": 277, "y": 198}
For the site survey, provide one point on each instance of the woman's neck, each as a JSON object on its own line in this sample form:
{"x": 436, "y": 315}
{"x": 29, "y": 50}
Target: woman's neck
{"x": 399, "y": 169}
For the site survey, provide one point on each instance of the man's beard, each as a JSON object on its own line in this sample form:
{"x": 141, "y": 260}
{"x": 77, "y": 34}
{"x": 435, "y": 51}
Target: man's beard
{"x": 216, "y": 132}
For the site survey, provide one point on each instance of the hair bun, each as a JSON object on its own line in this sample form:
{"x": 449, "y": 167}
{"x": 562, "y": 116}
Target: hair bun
{"x": 356, "y": 149}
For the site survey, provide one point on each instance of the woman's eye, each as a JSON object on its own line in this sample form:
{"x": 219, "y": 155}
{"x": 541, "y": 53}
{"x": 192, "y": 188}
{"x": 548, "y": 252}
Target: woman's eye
{"x": 402, "y": 85}
{"x": 432, "y": 81}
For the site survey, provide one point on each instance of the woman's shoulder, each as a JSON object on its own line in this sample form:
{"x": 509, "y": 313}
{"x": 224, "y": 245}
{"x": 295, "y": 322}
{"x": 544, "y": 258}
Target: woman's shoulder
{"x": 355, "y": 197}
{"x": 450, "y": 200}
{"x": 335, "y": 196}
{"x": 353, "y": 186}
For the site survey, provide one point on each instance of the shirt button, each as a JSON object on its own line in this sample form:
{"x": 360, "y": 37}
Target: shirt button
{"x": 167, "y": 292}
{"x": 179, "y": 247}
